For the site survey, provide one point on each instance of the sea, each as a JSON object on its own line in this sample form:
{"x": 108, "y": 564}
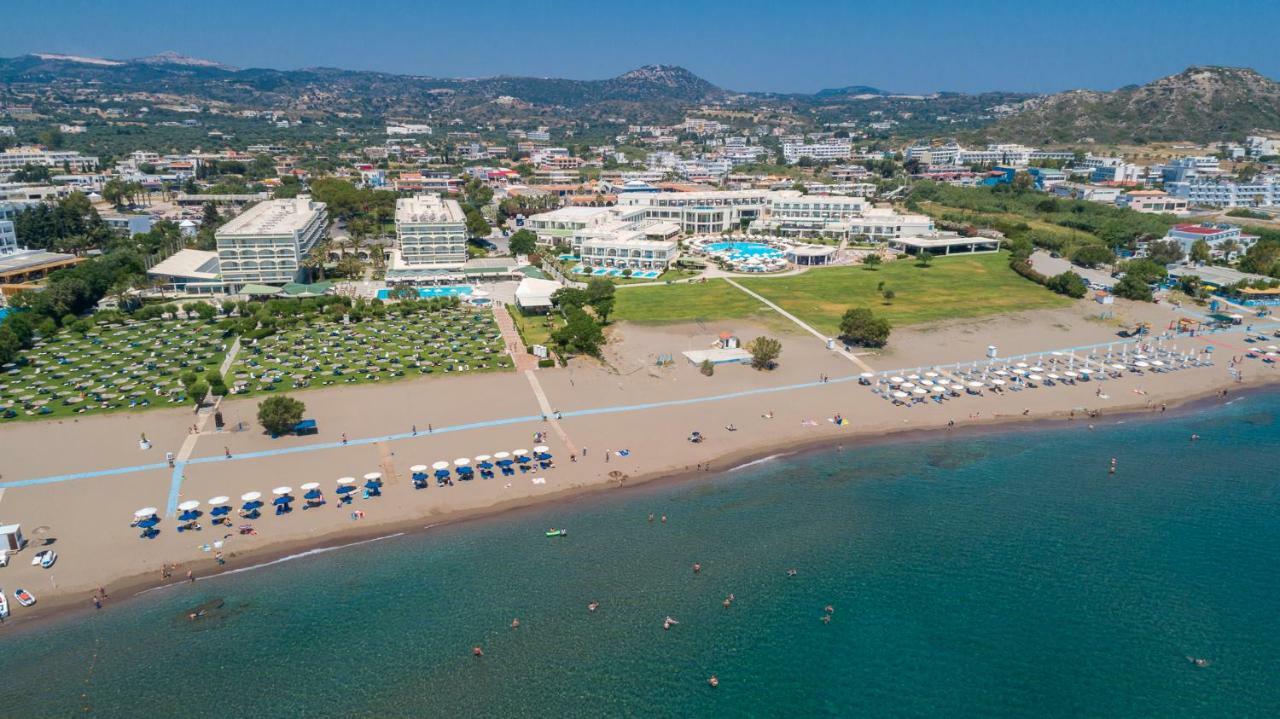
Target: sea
{"x": 994, "y": 574}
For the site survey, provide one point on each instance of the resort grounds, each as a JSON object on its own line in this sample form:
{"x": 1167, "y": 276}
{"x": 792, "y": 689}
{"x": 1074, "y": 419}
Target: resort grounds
{"x": 78, "y": 480}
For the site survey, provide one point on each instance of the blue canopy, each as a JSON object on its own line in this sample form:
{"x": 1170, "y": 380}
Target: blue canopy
{"x": 371, "y": 484}
{"x": 346, "y": 489}
{"x": 523, "y": 459}
{"x": 544, "y": 456}
{"x": 284, "y": 499}
{"x": 148, "y": 523}
{"x": 313, "y": 494}
{"x": 442, "y": 473}
{"x": 250, "y": 506}
{"x": 219, "y": 511}
{"x": 504, "y": 463}
{"x": 419, "y": 476}
{"x": 189, "y": 515}
{"x": 465, "y": 470}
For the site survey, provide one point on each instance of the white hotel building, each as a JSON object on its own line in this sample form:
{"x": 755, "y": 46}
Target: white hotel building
{"x": 819, "y": 151}
{"x": 430, "y": 233}
{"x": 265, "y": 244}
{"x": 702, "y": 213}
{"x": 1226, "y": 193}
{"x": 15, "y": 158}
{"x": 8, "y": 238}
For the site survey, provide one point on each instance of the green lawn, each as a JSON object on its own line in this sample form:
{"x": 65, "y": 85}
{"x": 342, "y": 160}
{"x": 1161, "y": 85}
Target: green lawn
{"x": 711, "y": 300}
{"x": 966, "y": 286}
{"x": 535, "y": 329}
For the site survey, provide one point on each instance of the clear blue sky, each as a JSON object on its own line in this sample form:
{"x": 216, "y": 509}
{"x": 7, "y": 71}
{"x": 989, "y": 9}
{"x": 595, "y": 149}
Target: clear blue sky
{"x": 802, "y": 46}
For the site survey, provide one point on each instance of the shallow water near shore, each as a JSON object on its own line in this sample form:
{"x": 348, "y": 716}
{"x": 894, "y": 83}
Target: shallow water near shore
{"x": 997, "y": 575}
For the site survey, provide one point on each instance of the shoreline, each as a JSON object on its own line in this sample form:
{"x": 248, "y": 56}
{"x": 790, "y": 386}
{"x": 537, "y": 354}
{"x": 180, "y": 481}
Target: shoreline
{"x": 135, "y": 587}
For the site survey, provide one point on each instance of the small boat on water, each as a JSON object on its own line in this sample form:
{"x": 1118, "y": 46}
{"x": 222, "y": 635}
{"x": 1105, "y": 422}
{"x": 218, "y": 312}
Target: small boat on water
{"x": 553, "y": 532}
{"x": 44, "y": 558}
{"x": 24, "y": 597}
{"x": 4, "y": 605}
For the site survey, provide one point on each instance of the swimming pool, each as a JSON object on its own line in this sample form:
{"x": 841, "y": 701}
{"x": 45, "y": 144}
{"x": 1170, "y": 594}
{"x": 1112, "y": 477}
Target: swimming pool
{"x": 615, "y": 272}
{"x": 739, "y": 251}
{"x": 446, "y": 291}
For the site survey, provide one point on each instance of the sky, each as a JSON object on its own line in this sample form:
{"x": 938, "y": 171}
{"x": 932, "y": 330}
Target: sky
{"x": 748, "y": 45}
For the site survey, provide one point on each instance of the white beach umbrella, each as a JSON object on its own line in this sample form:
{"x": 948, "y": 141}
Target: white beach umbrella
{"x": 900, "y": 394}
{"x": 937, "y": 389}
{"x": 913, "y": 377}
{"x": 346, "y": 480}
{"x": 482, "y": 458}
{"x": 908, "y": 385}
{"x": 309, "y": 486}
{"x": 919, "y": 390}
{"x": 1070, "y": 374}
{"x": 930, "y": 375}
{"x": 501, "y": 455}
{"x": 1002, "y": 373}
{"x": 520, "y": 452}
{"x": 373, "y": 476}
{"x": 219, "y": 500}
{"x": 975, "y": 385}
{"x": 189, "y": 505}
{"x": 1035, "y": 377}
{"x": 867, "y": 375}
{"x": 1053, "y": 376}
{"x": 251, "y": 496}
{"x": 145, "y": 512}
{"x": 1157, "y": 363}
{"x": 282, "y": 490}
{"x": 440, "y": 465}
{"x": 1019, "y": 371}
{"x": 462, "y": 461}
{"x": 926, "y": 382}
{"x": 1022, "y": 365}
{"x": 997, "y": 382}
{"x": 540, "y": 449}
{"x": 418, "y": 468}
{"x": 1143, "y": 365}
{"x": 896, "y": 380}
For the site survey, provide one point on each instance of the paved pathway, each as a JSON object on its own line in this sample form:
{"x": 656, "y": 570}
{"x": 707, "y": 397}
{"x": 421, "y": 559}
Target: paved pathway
{"x": 511, "y": 336}
{"x": 800, "y": 323}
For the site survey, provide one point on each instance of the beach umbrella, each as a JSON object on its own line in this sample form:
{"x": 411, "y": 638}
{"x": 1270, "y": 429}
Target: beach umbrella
{"x": 145, "y": 512}
{"x": 930, "y": 375}
{"x": 920, "y": 390}
{"x": 997, "y": 382}
{"x": 1035, "y": 377}
{"x": 311, "y": 494}
{"x": 896, "y": 380}
{"x": 1117, "y": 366}
{"x": 346, "y": 481}
{"x": 282, "y": 499}
{"x": 975, "y": 385}
{"x": 251, "y": 496}
{"x": 501, "y": 456}
{"x": 1143, "y": 365}
{"x": 1070, "y": 374}
{"x": 189, "y": 505}
{"x": 309, "y": 486}
{"x": 937, "y": 389}
{"x": 418, "y": 468}
{"x": 282, "y": 491}
{"x": 462, "y": 461}
{"x": 219, "y": 501}
{"x": 373, "y": 477}
{"x": 541, "y": 449}
{"x": 440, "y": 465}
{"x": 900, "y": 394}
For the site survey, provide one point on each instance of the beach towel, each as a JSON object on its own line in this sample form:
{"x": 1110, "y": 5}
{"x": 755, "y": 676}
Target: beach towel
{"x": 624, "y": 453}
{"x": 539, "y": 480}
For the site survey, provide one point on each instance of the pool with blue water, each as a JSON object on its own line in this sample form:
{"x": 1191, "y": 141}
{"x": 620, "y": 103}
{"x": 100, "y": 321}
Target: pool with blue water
{"x": 428, "y": 292}
{"x": 744, "y": 250}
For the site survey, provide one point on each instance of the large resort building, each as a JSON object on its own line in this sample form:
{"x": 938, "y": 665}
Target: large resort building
{"x": 430, "y": 233}
{"x": 266, "y": 243}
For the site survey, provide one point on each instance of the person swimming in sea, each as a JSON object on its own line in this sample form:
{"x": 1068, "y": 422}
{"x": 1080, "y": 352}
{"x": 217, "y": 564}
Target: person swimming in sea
{"x": 713, "y": 681}
{"x": 650, "y": 518}
{"x": 515, "y": 623}
{"x": 697, "y": 567}
{"x": 592, "y": 606}
{"x": 791, "y": 573}
{"x": 826, "y": 619}
{"x": 829, "y": 609}
{"x": 476, "y": 651}
{"x": 726, "y": 603}
{"x": 668, "y": 623}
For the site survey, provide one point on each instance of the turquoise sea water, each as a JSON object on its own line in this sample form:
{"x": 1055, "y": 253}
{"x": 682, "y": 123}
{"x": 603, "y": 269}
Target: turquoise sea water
{"x": 1006, "y": 575}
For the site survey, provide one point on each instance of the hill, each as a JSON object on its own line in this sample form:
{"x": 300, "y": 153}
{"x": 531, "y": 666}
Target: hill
{"x": 1200, "y": 104}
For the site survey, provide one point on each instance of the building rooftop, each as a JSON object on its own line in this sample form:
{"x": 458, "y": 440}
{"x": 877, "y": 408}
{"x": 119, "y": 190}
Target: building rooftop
{"x": 1201, "y": 229}
{"x": 428, "y": 208}
{"x": 188, "y": 263}
{"x": 273, "y": 217}
{"x": 32, "y": 260}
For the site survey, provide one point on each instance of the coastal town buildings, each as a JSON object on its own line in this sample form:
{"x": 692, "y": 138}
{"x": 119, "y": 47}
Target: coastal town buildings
{"x": 15, "y": 158}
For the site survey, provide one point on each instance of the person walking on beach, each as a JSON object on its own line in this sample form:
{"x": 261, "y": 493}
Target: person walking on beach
{"x": 97, "y": 603}
{"x": 344, "y": 437}
{"x": 415, "y": 430}
{"x": 227, "y": 451}
{"x": 191, "y": 577}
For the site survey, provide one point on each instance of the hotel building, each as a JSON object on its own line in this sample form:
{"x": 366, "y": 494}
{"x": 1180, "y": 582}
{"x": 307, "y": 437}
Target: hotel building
{"x": 430, "y": 232}
{"x": 266, "y": 243}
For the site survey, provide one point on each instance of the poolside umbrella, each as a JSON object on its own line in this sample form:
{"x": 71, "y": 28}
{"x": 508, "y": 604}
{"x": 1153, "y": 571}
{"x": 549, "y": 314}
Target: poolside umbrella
{"x": 145, "y": 512}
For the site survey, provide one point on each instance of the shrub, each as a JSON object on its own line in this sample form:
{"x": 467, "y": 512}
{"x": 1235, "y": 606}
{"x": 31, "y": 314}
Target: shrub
{"x": 546, "y": 362}
{"x": 280, "y": 414}
{"x": 706, "y": 368}
{"x": 861, "y": 327}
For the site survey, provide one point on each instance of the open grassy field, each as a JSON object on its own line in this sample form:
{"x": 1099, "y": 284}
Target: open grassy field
{"x": 710, "y": 300}
{"x": 954, "y": 287}
{"x": 535, "y": 329}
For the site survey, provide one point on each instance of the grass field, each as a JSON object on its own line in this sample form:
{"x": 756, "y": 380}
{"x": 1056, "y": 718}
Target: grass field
{"x": 711, "y": 300}
{"x": 954, "y": 287}
{"x": 535, "y": 329}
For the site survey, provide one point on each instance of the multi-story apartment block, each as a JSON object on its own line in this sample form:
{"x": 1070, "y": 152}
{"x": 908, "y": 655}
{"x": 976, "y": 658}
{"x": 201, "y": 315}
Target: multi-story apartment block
{"x": 15, "y": 158}
{"x": 1261, "y": 192}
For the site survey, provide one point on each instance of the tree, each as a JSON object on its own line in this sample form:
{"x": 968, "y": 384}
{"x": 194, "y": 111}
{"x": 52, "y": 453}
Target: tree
{"x": 764, "y": 352}
{"x": 1200, "y": 252}
{"x": 1132, "y": 287}
{"x": 924, "y": 259}
{"x": 523, "y": 242}
{"x": 1092, "y": 255}
{"x": 861, "y": 327}
{"x": 280, "y": 414}
{"x": 198, "y": 390}
{"x": 871, "y": 262}
{"x": 888, "y": 296}
{"x": 1068, "y": 283}
{"x": 1165, "y": 252}
{"x": 580, "y": 333}
{"x": 476, "y": 224}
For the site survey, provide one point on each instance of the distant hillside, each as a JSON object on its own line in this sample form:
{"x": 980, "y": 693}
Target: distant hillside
{"x": 1201, "y": 104}
{"x": 850, "y": 91}
{"x": 653, "y": 89}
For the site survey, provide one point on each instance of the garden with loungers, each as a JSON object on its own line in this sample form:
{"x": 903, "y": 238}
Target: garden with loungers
{"x": 117, "y": 364}
{"x": 445, "y": 340}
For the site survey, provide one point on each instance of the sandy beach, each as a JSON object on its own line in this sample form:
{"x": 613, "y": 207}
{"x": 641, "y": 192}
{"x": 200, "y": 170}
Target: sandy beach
{"x": 627, "y": 402}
